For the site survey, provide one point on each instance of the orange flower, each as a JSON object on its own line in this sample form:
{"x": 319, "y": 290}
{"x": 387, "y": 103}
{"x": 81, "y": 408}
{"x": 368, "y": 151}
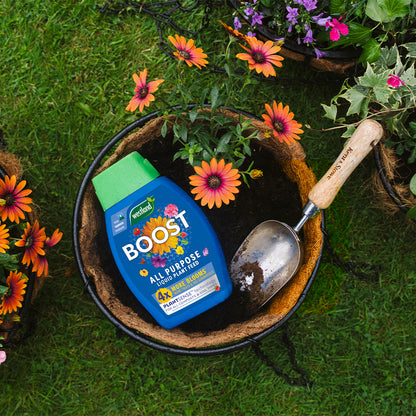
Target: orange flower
{"x": 40, "y": 266}
{"x": 261, "y": 56}
{"x": 14, "y": 199}
{"x": 234, "y": 33}
{"x": 215, "y": 183}
{"x": 186, "y": 51}
{"x": 281, "y": 121}
{"x": 12, "y": 299}
{"x": 33, "y": 241}
{"x": 4, "y": 242}
{"x": 143, "y": 91}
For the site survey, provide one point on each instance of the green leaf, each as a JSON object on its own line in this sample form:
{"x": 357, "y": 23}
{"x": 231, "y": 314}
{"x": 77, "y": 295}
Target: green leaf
{"x": 223, "y": 143}
{"x": 372, "y": 80}
{"x": 164, "y": 129}
{"x": 330, "y": 111}
{"x": 387, "y": 10}
{"x": 371, "y": 51}
{"x": 411, "y": 49}
{"x": 356, "y": 99}
{"x": 413, "y": 184}
{"x": 193, "y": 114}
{"x": 337, "y": 7}
{"x": 214, "y": 96}
{"x": 3, "y": 290}
{"x": 411, "y": 213}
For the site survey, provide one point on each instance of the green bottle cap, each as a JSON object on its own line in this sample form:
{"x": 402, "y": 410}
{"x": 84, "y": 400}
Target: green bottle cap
{"x": 123, "y": 178}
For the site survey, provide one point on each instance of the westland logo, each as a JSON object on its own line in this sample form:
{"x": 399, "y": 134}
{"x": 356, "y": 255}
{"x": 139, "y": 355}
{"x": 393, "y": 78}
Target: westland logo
{"x": 142, "y": 210}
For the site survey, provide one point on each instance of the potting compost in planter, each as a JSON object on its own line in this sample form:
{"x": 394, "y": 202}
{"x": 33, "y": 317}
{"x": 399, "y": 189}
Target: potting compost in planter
{"x": 163, "y": 245}
{"x": 228, "y": 326}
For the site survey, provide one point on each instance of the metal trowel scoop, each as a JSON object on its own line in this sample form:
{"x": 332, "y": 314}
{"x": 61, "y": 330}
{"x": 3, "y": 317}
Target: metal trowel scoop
{"x": 272, "y": 253}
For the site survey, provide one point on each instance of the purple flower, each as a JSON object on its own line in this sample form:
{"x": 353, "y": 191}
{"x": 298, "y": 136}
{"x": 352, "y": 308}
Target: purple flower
{"x": 319, "y": 54}
{"x": 257, "y": 19}
{"x": 310, "y": 4}
{"x": 249, "y": 11}
{"x": 321, "y": 21}
{"x": 251, "y": 34}
{"x": 309, "y": 38}
{"x": 158, "y": 261}
{"x": 298, "y": 1}
{"x": 292, "y": 15}
{"x": 237, "y": 23}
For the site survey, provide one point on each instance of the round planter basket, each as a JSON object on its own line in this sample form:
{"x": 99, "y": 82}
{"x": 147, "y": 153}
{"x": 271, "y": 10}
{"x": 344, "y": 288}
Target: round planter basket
{"x": 287, "y": 180}
{"x": 11, "y": 330}
{"x": 392, "y": 180}
{"x": 335, "y": 60}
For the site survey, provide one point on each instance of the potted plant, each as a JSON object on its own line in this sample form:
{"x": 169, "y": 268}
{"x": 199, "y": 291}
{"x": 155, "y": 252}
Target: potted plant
{"x": 209, "y": 150}
{"x": 24, "y": 246}
{"x": 385, "y": 92}
{"x": 352, "y": 29}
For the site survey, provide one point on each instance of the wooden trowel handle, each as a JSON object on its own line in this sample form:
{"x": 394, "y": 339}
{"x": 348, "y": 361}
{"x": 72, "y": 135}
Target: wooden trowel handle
{"x": 368, "y": 133}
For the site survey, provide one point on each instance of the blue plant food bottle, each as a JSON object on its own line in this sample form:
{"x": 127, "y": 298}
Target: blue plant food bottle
{"x": 162, "y": 243}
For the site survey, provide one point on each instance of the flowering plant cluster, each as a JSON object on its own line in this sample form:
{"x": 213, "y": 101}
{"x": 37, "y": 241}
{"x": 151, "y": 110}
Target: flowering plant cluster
{"x": 367, "y": 24}
{"x": 23, "y": 248}
{"x": 209, "y": 140}
{"x": 385, "y": 92}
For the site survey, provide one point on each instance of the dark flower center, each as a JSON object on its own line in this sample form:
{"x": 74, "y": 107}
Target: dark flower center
{"x": 214, "y": 182}
{"x": 259, "y": 58}
{"x": 9, "y": 198}
{"x": 184, "y": 54}
{"x": 29, "y": 241}
{"x": 143, "y": 92}
{"x": 279, "y": 126}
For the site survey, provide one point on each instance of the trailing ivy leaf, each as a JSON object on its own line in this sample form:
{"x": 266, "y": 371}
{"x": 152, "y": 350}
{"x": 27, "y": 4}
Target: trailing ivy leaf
{"x": 372, "y": 80}
{"x": 356, "y": 99}
{"x": 411, "y": 49}
{"x": 349, "y": 132}
{"x": 330, "y": 111}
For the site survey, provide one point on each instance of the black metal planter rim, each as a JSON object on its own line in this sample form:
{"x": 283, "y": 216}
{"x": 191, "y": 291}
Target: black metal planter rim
{"x": 386, "y": 183}
{"x": 25, "y": 303}
{"x": 347, "y": 53}
{"x": 144, "y": 339}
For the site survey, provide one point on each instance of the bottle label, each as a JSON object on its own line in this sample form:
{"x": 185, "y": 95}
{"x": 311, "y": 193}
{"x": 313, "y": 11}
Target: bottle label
{"x": 165, "y": 251}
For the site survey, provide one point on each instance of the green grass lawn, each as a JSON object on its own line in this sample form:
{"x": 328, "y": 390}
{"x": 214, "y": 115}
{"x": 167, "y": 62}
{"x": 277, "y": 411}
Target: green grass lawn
{"x": 65, "y": 81}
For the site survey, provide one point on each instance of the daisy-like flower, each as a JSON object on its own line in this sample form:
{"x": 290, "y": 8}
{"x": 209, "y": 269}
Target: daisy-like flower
{"x": 215, "y": 183}
{"x": 162, "y": 242}
{"x": 4, "y": 242}
{"x": 13, "y": 297}
{"x": 394, "y": 81}
{"x": 33, "y": 242}
{"x": 143, "y": 92}
{"x": 40, "y": 266}
{"x": 261, "y": 56}
{"x": 233, "y": 32}
{"x": 14, "y": 199}
{"x": 186, "y": 51}
{"x": 280, "y": 120}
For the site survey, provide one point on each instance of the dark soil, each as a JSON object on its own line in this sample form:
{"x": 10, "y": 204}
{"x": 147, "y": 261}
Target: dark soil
{"x": 271, "y": 197}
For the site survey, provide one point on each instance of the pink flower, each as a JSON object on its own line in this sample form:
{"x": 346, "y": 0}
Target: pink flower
{"x": 171, "y": 210}
{"x": 338, "y": 29}
{"x": 2, "y": 356}
{"x": 394, "y": 81}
